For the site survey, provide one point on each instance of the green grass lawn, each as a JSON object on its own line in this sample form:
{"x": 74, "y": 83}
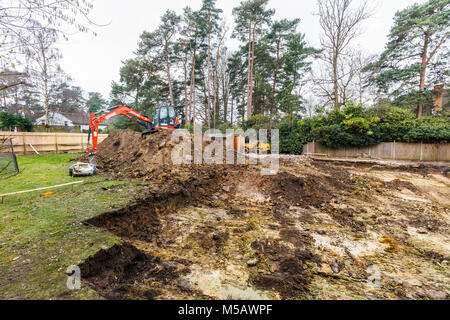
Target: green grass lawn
{"x": 41, "y": 236}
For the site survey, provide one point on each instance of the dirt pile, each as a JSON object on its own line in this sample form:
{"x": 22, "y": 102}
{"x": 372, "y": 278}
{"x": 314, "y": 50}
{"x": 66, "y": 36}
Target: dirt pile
{"x": 127, "y": 154}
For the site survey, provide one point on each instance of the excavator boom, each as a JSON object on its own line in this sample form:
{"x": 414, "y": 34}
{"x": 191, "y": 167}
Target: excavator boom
{"x": 165, "y": 118}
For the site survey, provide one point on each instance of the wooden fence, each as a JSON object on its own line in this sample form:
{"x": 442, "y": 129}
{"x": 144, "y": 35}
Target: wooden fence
{"x": 26, "y": 143}
{"x": 390, "y": 150}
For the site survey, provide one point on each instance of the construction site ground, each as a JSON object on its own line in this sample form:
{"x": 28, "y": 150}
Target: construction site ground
{"x": 318, "y": 229}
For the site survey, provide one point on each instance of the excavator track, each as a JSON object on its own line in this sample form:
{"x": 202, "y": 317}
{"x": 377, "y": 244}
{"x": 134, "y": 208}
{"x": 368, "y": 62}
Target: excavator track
{"x": 148, "y": 133}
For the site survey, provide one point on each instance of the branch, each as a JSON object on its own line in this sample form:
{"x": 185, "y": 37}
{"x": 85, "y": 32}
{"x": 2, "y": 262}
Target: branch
{"x": 4, "y": 87}
{"x": 437, "y": 48}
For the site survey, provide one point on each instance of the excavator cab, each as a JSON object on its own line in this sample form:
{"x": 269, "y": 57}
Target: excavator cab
{"x": 165, "y": 118}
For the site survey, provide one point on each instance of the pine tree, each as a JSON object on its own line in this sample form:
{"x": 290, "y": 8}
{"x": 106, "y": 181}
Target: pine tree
{"x": 416, "y": 56}
{"x": 159, "y": 47}
{"x": 278, "y": 36}
{"x": 250, "y": 18}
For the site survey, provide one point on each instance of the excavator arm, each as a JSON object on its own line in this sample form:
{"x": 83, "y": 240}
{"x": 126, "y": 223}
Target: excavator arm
{"x": 120, "y": 110}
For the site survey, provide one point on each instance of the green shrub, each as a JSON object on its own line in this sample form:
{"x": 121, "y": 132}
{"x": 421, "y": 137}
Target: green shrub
{"x": 9, "y": 121}
{"x": 296, "y": 132}
{"x": 355, "y": 126}
{"x": 333, "y": 136}
{"x": 291, "y": 141}
{"x": 223, "y": 127}
{"x": 396, "y": 123}
{"x": 256, "y": 122}
{"x": 429, "y": 133}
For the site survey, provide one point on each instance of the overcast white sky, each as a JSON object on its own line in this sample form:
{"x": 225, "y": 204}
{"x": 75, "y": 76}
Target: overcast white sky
{"x": 94, "y": 61}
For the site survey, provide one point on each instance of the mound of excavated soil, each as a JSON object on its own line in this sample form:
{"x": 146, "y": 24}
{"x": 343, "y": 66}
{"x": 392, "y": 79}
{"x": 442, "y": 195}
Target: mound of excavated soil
{"x": 127, "y": 154}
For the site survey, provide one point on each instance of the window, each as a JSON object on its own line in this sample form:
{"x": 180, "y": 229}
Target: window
{"x": 156, "y": 118}
{"x": 163, "y": 119}
{"x": 172, "y": 112}
{"x": 163, "y": 113}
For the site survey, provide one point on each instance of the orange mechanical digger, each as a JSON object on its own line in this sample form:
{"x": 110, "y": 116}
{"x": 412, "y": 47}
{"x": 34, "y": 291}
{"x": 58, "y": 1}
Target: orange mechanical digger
{"x": 165, "y": 119}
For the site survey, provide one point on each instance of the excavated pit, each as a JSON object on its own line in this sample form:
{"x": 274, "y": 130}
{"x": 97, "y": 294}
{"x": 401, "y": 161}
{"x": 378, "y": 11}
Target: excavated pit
{"x": 313, "y": 231}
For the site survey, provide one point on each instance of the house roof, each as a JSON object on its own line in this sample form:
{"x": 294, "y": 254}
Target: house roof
{"x": 77, "y": 118}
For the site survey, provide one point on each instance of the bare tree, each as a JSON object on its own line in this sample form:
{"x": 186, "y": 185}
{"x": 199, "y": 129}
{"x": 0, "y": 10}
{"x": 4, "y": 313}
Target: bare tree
{"x": 16, "y": 15}
{"x": 42, "y": 57}
{"x": 360, "y": 62}
{"x": 341, "y": 23}
{"x": 322, "y": 80}
{"x": 347, "y": 82}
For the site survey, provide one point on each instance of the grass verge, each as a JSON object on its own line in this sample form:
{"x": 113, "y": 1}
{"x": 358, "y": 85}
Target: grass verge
{"x": 41, "y": 235}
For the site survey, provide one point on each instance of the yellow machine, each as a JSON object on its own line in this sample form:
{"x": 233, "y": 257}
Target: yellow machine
{"x": 259, "y": 147}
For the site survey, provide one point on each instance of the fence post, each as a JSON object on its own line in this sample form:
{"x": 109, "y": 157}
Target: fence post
{"x": 421, "y": 150}
{"x": 14, "y": 157}
{"x": 56, "y": 143}
{"x": 393, "y": 151}
{"x": 82, "y": 147}
{"x": 24, "y": 144}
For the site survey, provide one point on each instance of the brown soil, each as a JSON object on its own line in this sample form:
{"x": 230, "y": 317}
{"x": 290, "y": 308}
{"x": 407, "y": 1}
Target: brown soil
{"x": 113, "y": 272}
{"x": 126, "y": 154}
{"x": 309, "y": 232}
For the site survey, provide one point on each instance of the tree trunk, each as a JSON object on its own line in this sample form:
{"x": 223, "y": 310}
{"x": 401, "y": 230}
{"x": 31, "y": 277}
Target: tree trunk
{"x": 232, "y": 109}
{"x": 275, "y": 80}
{"x": 46, "y": 98}
{"x": 424, "y": 71}
{"x": 206, "y": 107}
{"x": 136, "y": 98}
{"x": 209, "y": 82}
{"x": 225, "y": 97}
{"x": 169, "y": 78}
{"x": 360, "y": 89}
{"x": 243, "y": 102}
{"x": 335, "y": 82}
{"x": 186, "y": 111}
{"x": 250, "y": 104}
{"x": 46, "y": 104}
{"x": 249, "y": 67}
{"x": 192, "y": 93}
{"x": 215, "y": 84}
